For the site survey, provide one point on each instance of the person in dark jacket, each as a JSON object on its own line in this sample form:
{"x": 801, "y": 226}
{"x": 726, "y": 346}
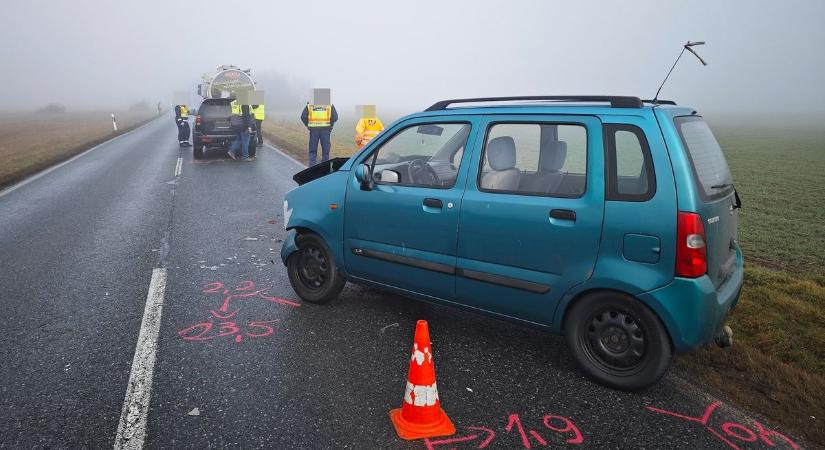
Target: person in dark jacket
{"x": 182, "y": 121}
{"x": 319, "y": 119}
{"x": 246, "y": 129}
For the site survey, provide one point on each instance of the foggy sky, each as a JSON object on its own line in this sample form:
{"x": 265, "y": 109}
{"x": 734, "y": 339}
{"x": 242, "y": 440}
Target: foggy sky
{"x": 763, "y": 56}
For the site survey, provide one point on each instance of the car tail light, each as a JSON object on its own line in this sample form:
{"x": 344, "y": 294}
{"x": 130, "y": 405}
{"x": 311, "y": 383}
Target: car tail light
{"x": 198, "y": 120}
{"x": 691, "y": 252}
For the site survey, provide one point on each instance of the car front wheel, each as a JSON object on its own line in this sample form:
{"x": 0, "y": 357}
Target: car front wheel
{"x": 312, "y": 270}
{"x": 618, "y": 341}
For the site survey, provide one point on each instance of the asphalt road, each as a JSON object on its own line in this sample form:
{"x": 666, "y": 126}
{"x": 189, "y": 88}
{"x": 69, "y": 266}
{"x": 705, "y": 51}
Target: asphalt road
{"x": 78, "y": 247}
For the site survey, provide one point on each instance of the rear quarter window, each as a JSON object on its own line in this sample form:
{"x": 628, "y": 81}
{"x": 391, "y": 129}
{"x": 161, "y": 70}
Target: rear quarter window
{"x": 710, "y": 168}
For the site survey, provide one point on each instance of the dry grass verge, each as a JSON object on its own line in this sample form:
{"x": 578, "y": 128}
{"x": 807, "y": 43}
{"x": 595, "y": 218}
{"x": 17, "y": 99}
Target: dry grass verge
{"x": 777, "y": 364}
{"x": 29, "y": 144}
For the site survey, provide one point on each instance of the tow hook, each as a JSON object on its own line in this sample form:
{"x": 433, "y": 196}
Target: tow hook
{"x": 725, "y": 337}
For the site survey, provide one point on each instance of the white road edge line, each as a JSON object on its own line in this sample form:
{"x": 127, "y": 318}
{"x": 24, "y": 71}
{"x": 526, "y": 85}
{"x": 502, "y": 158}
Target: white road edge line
{"x": 26, "y": 181}
{"x": 131, "y": 429}
{"x": 178, "y": 166}
{"x": 299, "y": 163}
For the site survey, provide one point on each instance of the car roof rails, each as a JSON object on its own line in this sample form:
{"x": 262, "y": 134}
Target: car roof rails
{"x": 616, "y": 101}
{"x": 660, "y": 102}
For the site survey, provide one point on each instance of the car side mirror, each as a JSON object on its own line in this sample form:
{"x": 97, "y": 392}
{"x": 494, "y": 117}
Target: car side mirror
{"x": 390, "y": 176}
{"x": 364, "y": 177}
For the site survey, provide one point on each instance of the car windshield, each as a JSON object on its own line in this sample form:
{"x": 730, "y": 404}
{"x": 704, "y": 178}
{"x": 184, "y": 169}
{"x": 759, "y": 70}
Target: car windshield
{"x": 428, "y": 142}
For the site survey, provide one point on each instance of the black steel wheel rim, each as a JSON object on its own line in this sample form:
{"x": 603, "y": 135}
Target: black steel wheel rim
{"x": 313, "y": 268}
{"x": 614, "y": 340}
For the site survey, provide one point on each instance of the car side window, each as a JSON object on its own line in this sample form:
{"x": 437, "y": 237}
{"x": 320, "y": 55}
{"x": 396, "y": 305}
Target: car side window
{"x": 424, "y": 155}
{"x": 547, "y": 159}
{"x": 630, "y": 175}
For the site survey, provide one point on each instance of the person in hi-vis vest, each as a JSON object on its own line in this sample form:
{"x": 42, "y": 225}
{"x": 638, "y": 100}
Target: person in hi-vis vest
{"x": 319, "y": 119}
{"x": 368, "y": 126}
{"x": 259, "y": 114}
{"x": 182, "y": 121}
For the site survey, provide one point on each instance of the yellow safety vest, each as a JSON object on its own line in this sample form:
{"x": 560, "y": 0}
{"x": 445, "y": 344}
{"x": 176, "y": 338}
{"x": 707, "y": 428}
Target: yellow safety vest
{"x": 258, "y": 113}
{"x": 366, "y": 129}
{"x": 236, "y": 108}
{"x": 319, "y": 116}
{"x": 184, "y": 112}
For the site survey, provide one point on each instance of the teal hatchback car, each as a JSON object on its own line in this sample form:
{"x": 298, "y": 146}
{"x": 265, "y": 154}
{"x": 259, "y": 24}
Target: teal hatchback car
{"x": 609, "y": 219}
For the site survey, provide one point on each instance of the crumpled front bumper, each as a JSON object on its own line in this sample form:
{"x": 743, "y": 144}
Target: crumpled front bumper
{"x": 289, "y": 246}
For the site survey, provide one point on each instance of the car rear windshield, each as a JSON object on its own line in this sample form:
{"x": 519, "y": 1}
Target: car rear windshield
{"x": 213, "y": 110}
{"x": 709, "y": 165}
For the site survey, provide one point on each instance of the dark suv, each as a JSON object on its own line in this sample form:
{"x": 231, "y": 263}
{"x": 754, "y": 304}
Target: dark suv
{"x": 213, "y": 127}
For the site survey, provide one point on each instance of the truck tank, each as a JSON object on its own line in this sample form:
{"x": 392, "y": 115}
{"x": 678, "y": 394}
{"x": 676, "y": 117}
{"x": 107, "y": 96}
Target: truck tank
{"x": 224, "y": 81}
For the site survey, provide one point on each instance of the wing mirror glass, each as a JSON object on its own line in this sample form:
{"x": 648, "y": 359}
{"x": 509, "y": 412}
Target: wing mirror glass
{"x": 364, "y": 177}
{"x": 390, "y": 176}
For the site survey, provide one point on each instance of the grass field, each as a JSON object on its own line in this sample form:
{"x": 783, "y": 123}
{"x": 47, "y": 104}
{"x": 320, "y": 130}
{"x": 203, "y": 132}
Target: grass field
{"x": 777, "y": 364}
{"x": 30, "y": 143}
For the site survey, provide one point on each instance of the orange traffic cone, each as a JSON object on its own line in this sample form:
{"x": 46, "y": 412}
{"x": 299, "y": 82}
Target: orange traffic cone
{"x": 421, "y": 416}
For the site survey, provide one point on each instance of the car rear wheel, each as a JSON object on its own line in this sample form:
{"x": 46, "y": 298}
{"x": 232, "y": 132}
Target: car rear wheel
{"x": 197, "y": 151}
{"x": 312, "y": 270}
{"x": 618, "y": 341}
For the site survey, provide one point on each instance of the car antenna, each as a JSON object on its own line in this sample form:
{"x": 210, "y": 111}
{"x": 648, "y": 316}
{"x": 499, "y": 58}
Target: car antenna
{"x": 687, "y": 47}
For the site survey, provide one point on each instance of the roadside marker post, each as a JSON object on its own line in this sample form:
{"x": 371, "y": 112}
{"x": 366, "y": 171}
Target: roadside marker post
{"x": 114, "y": 122}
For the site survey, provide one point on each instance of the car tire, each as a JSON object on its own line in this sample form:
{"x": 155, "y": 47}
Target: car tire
{"x": 312, "y": 270}
{"x": 197, "y": 151}
{"x": 617, "y": 341}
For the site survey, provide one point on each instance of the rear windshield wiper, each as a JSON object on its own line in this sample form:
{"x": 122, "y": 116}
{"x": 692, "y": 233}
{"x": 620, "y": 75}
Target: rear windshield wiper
{"x": 721, "y": 186}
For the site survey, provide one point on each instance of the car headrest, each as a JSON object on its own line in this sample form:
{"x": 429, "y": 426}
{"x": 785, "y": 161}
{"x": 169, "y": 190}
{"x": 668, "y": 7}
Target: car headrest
{"x": 554, "y": 158}
{"x": 501, "y": 153}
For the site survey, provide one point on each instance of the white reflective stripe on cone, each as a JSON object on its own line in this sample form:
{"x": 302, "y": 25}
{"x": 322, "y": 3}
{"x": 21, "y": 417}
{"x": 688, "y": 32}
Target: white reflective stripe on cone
{"x": 424, "y": 395}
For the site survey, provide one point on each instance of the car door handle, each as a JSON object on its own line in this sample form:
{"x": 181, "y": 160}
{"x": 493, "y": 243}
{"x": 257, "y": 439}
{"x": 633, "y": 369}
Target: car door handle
{"x": 563, "y": 214}
{"x": 433, "y": 203}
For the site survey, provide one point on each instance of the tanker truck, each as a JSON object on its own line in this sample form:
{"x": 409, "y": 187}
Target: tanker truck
{"x": 213, "y": 122}
{"x": 224, "y": 81}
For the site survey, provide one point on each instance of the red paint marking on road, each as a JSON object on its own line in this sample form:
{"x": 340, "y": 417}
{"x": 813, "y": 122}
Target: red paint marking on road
{"x": 749, "y": 435}
{"x": 226, "y": 328}
{"x": 741, "y": 433}
{"x": 205, "y": 328}
{"x": 272, "y": 221}
{"x": 431, "y": 444}
{"x": 514, "y": 421}
{"x": 490, "y": 435}
{"x": 568, "y": 427}
{"x": 223, "y": 316}
{"x": 245, "y": 285}
{"x": 280, "y": 301}
{"x": 268, "y": 330}
{"x": 212, "y": 288}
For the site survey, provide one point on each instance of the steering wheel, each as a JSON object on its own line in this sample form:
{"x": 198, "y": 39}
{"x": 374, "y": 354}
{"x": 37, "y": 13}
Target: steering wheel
{"x": 423, "y": 173}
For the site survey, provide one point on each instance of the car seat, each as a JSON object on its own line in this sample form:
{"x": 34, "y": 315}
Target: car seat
{"x": 550, "y": 175}
{"x": 501, "y": 156}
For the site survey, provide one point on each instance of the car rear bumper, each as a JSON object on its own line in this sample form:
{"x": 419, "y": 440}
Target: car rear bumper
{"x": 693, "y": 309}
{"x": 216, "y": 140}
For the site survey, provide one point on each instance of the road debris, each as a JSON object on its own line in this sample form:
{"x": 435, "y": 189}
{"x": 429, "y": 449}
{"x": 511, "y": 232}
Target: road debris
{"x": 385, "y": 328}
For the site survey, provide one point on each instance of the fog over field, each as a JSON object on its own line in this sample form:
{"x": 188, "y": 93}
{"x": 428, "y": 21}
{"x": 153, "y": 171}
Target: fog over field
{"x": 764, "y": 57}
